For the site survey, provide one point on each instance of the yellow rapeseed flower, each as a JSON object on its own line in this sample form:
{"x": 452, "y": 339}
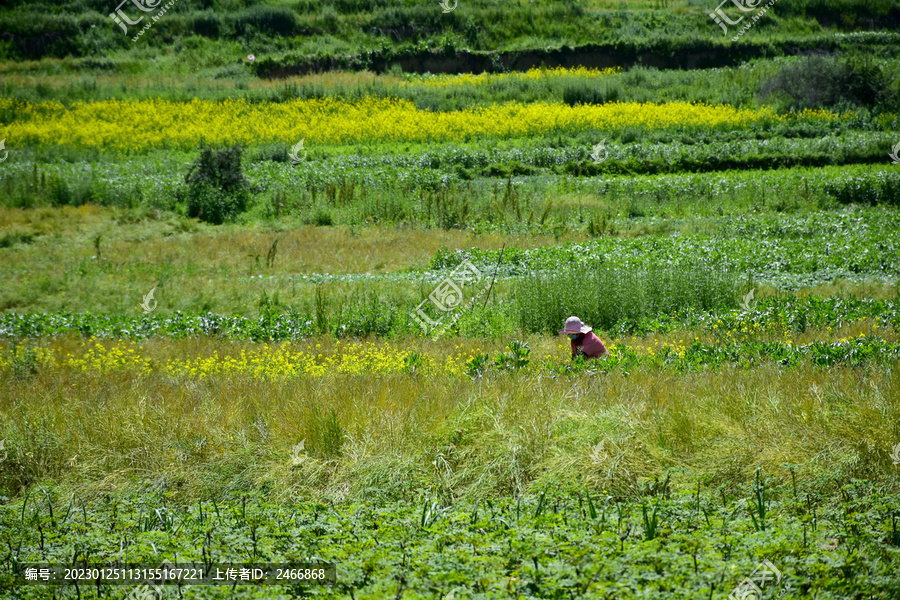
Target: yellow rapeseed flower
{"x": 141, "y": 124}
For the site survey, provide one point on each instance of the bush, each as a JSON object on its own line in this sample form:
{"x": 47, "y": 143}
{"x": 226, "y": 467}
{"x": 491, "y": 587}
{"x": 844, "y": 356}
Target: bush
{"x": 217, "y": 189}
{"x": 276, "y": 20}
{"x": 60, "y": 193}
{"x": 321, "y": 217}
{"x": 824, "y": 82}
{"x": 35, "y": 37}
{"x": 328, "y": 18}
{"x": 207, "y": 24}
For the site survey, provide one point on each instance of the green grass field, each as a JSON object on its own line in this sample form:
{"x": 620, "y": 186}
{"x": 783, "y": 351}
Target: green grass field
{"x": 220, "y": 345}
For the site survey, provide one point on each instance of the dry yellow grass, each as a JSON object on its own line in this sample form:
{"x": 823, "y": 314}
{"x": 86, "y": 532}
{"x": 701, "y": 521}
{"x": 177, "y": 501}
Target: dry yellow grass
{"x": 374, "y": 434}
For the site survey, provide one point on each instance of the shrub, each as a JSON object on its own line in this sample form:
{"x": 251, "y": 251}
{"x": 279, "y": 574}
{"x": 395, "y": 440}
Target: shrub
{"x": 217, "y": 189}
{"x": 207, "y": 24}
{"x": 328, "y": 18}
{"x": 824, "y": 82}
{"x": 50, "y": 35}
{"x": 9, "y": 240}
{"x": 321, "y": 217}
{"x": 277, "y": 20}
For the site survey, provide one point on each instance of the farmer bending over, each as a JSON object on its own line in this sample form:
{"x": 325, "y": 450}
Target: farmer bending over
{"x": 584, "y": 343}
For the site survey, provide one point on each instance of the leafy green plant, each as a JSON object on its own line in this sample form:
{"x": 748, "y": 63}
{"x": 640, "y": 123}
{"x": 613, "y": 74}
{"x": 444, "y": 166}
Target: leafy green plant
{"x": 759, "y": 505}
{"x": 24, "y": 360}
{"x": 418, "y": 542}
{"x": 477, "y": 365}
{"x": 650, "y": 521}
{"x": 216, "y": 188}
{"x": 321, "y": 310}
{"x": 413, "y": 362}
{"x": 515, "y": 359}
{"x": 431, "y": 512}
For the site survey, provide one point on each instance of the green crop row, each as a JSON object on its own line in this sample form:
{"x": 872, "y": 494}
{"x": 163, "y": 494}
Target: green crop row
{"x": 794, "y": 252}
{"x": 560, "y": 543}
{"x": 513, "y": 190}
{"x": 771, "y": 315}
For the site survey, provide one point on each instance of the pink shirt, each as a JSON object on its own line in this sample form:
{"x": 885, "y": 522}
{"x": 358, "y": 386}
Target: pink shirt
{"x": 591, "y": 345}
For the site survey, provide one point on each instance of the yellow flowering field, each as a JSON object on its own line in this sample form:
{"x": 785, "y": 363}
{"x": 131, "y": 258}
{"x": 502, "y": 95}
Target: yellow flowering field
{"x": 534, "y": 74}
{"x": 262, "y": 361}
{"x": 287, "y": 360}
{"x": 139, "y": 125}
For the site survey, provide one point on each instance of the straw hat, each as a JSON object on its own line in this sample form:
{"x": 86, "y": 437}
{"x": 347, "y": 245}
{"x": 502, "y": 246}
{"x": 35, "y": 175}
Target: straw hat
{"x": 574, "y": 325}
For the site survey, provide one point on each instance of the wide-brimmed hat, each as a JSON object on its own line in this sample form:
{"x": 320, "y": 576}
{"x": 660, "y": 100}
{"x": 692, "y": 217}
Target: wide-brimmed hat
{"x": 574, "y": 325}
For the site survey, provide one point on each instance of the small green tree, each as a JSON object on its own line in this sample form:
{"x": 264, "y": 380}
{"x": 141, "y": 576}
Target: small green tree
{"x": 216, "y": 188}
